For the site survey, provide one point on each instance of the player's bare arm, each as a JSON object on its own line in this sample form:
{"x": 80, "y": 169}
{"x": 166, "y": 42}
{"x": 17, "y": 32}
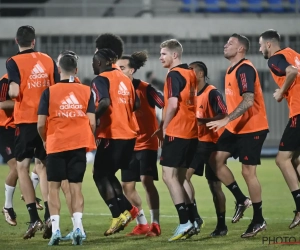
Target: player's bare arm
{"x": 246, "y": 103}
{"x": 92, "y": 119}
{"x": 291, "y": 74}
{"x": 102, "y": 107}
{"x": 170, "y": 111}
{"x": 14, "y": 90}
{"x": 215, "y": 118}
{"x": 7, "y": 105}
{"x": 41, "y": 126}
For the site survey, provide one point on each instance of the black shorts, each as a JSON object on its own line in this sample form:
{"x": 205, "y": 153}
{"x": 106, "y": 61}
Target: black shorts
{"x": 28, "y": 143}
{"x": 178, "y": 152}
{"x": 68, "y": 165}
{"x": 290, "y": 140}
{"x": 246, "y": 146}
{"x": 112, "y": 155}
{"x": 143, "y": 162}
{"x": 7, "y": 144}
{"x": 201, "y": 157}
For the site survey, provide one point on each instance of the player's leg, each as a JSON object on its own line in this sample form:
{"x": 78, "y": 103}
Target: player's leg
{"x": 226, "y": 147}
{"x": 289, "y": 144}
{"x": 174, "y": 154}
{"x": 129, "y": 178}
{"x": 40, "y": 155}
{"x": 196, "y": 167}
{"x": 56, "y": 172}
{"x": 76, "y": 169}
{"x": 219, "y": 199}
{"x": 7, "y": 151}
{"x": 102, "y": 172}
{"x": 24, "y": 152}
{"x": 36, "y": 180}
{"x": 10, "y": 186}
{"x": 249, "y": 155}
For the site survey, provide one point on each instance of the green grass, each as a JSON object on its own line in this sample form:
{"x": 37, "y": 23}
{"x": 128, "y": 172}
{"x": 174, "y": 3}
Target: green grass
{"x": 277, "y": 208}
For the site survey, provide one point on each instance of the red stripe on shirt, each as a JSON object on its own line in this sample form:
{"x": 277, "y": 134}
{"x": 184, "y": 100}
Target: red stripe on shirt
{"x": 244, "y": 82}
{"x": 221, "y": 105}
{"x": 169, "y": 85}
{"x": 157, "y": 98}
{"x": 277, "y": 69}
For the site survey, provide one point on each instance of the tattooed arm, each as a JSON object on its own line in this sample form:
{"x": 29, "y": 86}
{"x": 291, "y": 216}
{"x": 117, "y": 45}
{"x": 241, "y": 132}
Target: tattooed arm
{"x": 246, "y": 103}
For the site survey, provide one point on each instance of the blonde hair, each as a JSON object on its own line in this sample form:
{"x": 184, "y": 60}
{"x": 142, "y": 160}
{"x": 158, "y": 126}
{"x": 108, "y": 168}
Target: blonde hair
{"x": 174, "y": 45}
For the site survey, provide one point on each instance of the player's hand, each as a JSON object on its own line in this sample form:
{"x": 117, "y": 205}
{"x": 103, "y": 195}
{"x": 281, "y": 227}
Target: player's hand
{"x": 216, "y": 125}
{"x": 278, "y": 95}
{"x": 160, "y": 136}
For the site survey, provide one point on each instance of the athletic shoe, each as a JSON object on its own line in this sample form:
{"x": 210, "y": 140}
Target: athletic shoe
{"x": 32, "y": 228}
{"x": 47, "y": 229}
{"x": 240, "y": 209}
{"x": 154, "y": 230}
{"x": 254, "y": 228}
{"x": 55, "y": 238}
{"x": 117, "y": 224}
{"x": 219, "y": 232}
{"x": 182, "y": 230}
{"x": 296, "y": 220}
{"x": 10, "y": 216}
{"x": 139, "y": 229}
{"x": 69, "y": 236}
{"x": 198, "y": 224}
{"x": 77, "y": 237}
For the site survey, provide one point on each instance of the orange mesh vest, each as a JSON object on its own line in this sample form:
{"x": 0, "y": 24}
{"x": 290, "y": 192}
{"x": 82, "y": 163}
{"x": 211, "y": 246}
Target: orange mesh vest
{"x": 118, "y": 120}
{"x": 204, "y": 110}
{"x": 292, "y": 94}
{"x": 6, "y": 117}
{"x": 184, "y": 123}
{"x": 255, "y": 118}
{"x": 36, "y": 74}
{"x": 68, "y": 126}
{"x": 146, "y": 119}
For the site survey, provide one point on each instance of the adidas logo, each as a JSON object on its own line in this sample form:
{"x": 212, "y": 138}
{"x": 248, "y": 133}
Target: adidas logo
{"x": 298, "y": 195}
{"x": 52, "y": 220}
{"x": 181, "y": 208}
{"x": 123, "y": 89}
{"x": 234, "y": 186}
{"x": 201, "y": 106}
{"x": 70, "y": 102}
{"x": 229, "y": 84}
{"x": 38, "y": 71}
{"x": 141, "y": 215}
{"x": 110, "y": 205}
{"x": 118, "y": 199}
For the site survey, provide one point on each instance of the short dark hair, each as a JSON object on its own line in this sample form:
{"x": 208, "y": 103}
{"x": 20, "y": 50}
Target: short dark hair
{"x": 137, "y": 59}
{"x": 108, "y": 55}
{"x": 25, "y": 35}
{"x": 201, "y": 66}
{"x": 243, "y": 40}
{"x": 68, "y": 63}
{"x": 270, "y": 35}
{"x": 110, "y": 41}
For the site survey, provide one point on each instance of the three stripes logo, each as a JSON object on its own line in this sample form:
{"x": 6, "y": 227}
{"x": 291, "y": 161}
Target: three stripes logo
{"x": 123, "y": 89}
{"x": 70, "y": 102}
{"x": 38, "y": 71}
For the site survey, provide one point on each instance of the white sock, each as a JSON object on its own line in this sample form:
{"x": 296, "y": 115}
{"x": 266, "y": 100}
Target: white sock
{"x": 55, "y": 223}
{"x": 35, "y": 180}
{"x": 78, "y": 221}
{"x": 72, "y": 218}
{"x": 141, "y": 219}
{"x": 9, "y": 193}
{"x": 154, "y": 216}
